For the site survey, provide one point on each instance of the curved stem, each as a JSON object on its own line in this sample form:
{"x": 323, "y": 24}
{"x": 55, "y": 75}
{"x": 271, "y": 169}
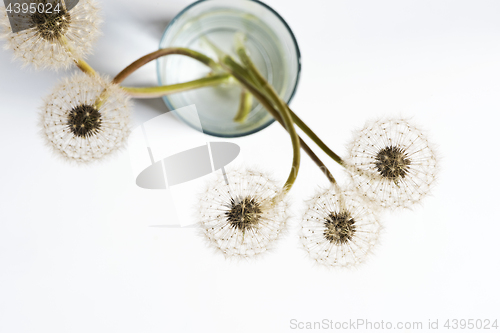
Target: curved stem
{"x": 263, "y": 99}
{"x": 153, "y": 92}
{"x": 229, "y": 64}
{"x": 160, "y": 53}
{"x": 316, "y": 139}
{"x": 259, "y": 79}
{"x": 239, "y": 73}
{"x": 86, "y": 68}
{"x": 80, "y": 63}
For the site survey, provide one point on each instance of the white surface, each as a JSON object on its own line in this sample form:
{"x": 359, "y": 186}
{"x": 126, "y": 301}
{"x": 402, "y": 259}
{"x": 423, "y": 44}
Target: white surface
{"x": 76, "y": 250}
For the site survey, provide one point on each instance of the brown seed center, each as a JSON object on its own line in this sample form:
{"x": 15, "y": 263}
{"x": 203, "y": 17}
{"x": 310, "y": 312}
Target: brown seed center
{"x": 84, "y": 120}
{"x": 53, "y": 25}
{"x": 339, "y": 228}
{"x": 244, "y": 214}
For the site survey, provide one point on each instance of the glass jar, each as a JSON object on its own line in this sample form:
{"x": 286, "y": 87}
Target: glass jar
{"x": 271, "y": 45}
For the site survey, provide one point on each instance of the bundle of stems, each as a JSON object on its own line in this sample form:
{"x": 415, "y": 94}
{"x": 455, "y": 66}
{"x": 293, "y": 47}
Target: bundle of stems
{"x": 253, "y": 84}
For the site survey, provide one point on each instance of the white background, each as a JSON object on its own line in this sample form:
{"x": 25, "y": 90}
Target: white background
{"x": 77, "y": 253}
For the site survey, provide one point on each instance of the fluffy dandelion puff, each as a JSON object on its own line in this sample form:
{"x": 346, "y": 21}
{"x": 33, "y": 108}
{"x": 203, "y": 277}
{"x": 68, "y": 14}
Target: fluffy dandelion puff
{"x": 392, "y": 164}
{"x": 79, "y": 130}
{"x": 338, "y": 229}
{"x": 241, "y": 219}
{"x": 55, "y": 39}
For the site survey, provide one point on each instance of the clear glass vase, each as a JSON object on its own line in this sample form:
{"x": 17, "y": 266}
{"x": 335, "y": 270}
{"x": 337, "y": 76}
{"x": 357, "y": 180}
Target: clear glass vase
{"x": 271, "y": 45}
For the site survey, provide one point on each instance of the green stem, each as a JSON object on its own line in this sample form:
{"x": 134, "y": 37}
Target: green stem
{"x": 247, "y": 61}
{"x": 245, "y": 106}
{"x": 85, "y": 68}
{"x": 229, "y": 63}
{"x": 259, "y": 79}
{"x": 239, "y": 73}
{"x": 316, "y": 139}
{"x": 80, "y": 63}
{"x": 153, "y": 92}
{"x": 163, "y": 52}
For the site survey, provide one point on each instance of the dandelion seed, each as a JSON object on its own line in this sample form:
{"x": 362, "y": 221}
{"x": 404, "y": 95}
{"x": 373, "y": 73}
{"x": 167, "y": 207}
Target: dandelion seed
{"x": 338, "y": 230}
{"x": 392, "y": 164}
{"x": 241, "y": 219}
{"x": 47, "y": 42}
{"x": 78, "y": 130}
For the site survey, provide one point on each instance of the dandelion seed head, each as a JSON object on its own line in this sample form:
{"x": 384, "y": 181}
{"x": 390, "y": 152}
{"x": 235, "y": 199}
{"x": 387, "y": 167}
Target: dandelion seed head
{"x": 75, "y": 128}
{"x": 338, "y": 229}
{"x": 244, "y": 214}
{"x": 47, "y": 42}
{"x": 392, "y": 163}
{"x": 51, "y": 26}
{"x": 241, "y": 219}
{"x": 84, "y": 120}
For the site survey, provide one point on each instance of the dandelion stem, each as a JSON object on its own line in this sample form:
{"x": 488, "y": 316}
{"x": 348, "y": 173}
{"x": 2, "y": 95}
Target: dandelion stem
{"x": 80, "y": 63}
{"x": 101, "y": 99}
{"x": 260, "y": 80}
{"x": 316, "y": 139}
{"x": 160, "y": 53}
{"x": 249, "y": 79}
{"x": 245, "y": 106}
{"x": 240, "y": 74}
{"x": 229, "y": 63}
{"x": 152, "y": 92}
{"x": 84, "y": 67}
